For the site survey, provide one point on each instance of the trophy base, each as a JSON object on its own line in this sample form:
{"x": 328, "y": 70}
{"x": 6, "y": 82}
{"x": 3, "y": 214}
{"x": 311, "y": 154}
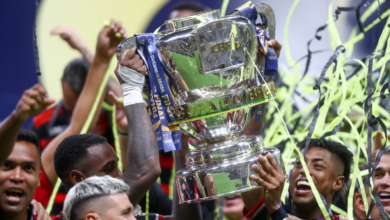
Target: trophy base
{"x": 220, "y": 196}
{"x": 216, "y": 179}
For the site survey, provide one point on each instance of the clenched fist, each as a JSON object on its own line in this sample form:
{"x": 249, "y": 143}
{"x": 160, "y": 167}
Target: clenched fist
{"x": 133, "y": 61}
{"x": 108, "y": 39}
{"x": 33, "y": 102}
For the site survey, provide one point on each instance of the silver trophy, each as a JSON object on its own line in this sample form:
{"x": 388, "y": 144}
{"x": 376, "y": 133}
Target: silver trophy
{"x": 211, "y": 61}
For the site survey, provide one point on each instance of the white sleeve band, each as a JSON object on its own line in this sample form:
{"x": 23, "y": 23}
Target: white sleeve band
{"x": 132, "y": 86}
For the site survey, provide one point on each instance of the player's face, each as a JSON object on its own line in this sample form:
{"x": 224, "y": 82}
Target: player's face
{"x": 381, "y": 181}
{"x": 102, "y": 160}
{"x": 321, "y": 167}
{"x": 19, "y": 177}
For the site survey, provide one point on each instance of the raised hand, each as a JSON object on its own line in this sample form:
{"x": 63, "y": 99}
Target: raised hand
{"x": 272, "y": 43}
{"x": 272, "y": 178}
{"x": 133, "y": 61}
{"x": 276, "y": 45}
{"x": 131, "y": 74}
{"x": 74, "y": 40}
{"x": 33, "y": 102}
{"x": 108, "y": 39}
{"x": 70, "y": 36}
{"x": 106, "y": 45}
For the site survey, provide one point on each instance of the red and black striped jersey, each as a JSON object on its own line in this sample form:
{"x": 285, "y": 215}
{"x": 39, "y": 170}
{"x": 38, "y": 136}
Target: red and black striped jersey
{"x": 47, "y": 126}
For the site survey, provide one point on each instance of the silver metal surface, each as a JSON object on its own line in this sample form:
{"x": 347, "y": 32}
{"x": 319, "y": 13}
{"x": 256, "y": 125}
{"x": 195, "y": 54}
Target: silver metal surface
{"x": 191, "y": 21}
{"x": 220, "y": 133}
{"x": 217, "y": 172}
{"x": 208, "y": 57}
{"x": 212, "y": 78}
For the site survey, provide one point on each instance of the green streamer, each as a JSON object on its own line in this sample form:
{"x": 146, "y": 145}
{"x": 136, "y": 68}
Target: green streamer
{"x": 108, "y": 107}
{"x": 362, "y": 189}
{"x": 286, "y": 45}
{"x": 348, "y": 95}
{"x": 338, "y": 210}
{"x": 353, "y": 39}
{"x": 83, "y": 131}
{"x": 384, "y": 36}
{"x": 224, "y": 6}
{"x": 301, "y": 157}
{"x": 118, "y": 150}
{"x": 147, "y": 206}
{"x": 53, "y": 196}
{"x": 116, "y": 139}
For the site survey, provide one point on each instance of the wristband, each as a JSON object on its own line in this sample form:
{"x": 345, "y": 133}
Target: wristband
{"x": 132, "y": 86}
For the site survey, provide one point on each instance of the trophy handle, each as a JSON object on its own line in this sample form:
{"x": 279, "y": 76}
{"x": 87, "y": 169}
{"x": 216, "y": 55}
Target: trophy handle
{"x": 266, "y": 10}
{"x": 127, "y": 44}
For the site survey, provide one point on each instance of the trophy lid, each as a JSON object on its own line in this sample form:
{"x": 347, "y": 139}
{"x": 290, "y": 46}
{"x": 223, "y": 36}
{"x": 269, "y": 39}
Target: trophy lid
{"x": 193, "y": 19}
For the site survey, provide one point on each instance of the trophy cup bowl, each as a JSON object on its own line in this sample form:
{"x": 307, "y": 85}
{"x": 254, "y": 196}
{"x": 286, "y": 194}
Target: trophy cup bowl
{"x": 209, "y": 63}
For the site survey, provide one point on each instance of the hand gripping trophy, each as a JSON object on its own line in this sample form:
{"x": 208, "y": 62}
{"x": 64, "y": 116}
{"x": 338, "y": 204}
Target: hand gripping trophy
{"x": 206, "y": 80}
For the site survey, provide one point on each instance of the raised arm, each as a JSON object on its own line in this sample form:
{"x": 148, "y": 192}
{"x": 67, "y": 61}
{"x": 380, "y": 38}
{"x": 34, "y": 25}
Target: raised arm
{"x": 272, "y": 178}
{"x": 71, "y": 36}
{"x": 143, "y": 166}
{"x": 74, "y": 40}
{"x": 105, "y": 49}
{"x": 33, "y": 102}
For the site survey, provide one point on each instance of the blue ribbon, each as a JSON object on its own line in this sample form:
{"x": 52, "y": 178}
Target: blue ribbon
{"x": 161, "y": 102}
{"x": 249, "y": 11}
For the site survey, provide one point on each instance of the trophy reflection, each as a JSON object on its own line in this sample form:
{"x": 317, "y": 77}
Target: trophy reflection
{"x": 209, "y": 63}
{"x": 210, "y": 187}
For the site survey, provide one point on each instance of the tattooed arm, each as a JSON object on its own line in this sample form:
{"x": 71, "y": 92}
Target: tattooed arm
{"x": 143, "y": 166}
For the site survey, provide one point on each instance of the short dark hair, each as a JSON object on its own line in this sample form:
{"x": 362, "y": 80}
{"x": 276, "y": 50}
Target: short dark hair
{"x": 72, "y": 150}
{"x": 347, "y": 185}
{"x": 338, "y": 150}
{"x": 30, "y": 137}
{"x": 386, "y": 151}
{"x": 75, "y": 74}
{"x": 189, "y": 5}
